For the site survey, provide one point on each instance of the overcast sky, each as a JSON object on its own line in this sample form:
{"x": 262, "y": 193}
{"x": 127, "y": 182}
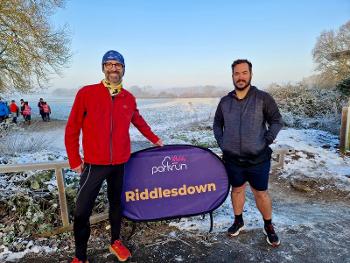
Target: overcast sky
{"x": 186, "y": 43}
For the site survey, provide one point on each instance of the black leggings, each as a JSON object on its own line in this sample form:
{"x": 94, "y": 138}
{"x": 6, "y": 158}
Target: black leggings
{"x": 91, "y": 181}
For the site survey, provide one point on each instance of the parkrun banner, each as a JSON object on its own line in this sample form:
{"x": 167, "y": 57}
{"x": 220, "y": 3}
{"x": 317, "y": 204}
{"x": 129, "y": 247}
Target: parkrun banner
{"x": 173, "y": 181}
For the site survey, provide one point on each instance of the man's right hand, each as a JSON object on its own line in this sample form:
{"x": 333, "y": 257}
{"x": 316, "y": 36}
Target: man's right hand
{"x": 79, "y": 169}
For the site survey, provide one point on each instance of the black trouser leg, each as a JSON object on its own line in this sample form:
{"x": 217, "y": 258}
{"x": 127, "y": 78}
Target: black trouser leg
{"x": 90, "y": 184}
{"x": 114, "y": 192}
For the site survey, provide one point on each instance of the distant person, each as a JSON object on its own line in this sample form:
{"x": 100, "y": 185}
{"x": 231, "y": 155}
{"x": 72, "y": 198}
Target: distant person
{"x": 246, "y": 122}
{"x": 40, "y": 106}
{"x": 103, "y": 113}
{"x": 22, "y": 107}
{"x": 14, "y": 110}
{"x": 46, "y": 111}
{"x": 4, "y": 110}
{"x": 27, "y": 113}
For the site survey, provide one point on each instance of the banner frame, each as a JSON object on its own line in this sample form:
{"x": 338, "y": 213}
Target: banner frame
{"x": 187, "y": 215}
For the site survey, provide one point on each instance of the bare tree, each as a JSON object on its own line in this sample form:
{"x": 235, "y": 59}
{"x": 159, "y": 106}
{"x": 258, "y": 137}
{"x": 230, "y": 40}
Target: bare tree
{"x": 331, "y": 54}
{"x": 30, "y": 48}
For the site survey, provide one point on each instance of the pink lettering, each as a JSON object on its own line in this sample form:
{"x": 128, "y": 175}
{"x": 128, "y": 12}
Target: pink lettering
{"x": 176, "y": 158}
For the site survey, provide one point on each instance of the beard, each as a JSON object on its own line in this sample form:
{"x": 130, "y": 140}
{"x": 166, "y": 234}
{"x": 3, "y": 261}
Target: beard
{"x": 247, "y": 84}
{"x": 114, "y": 77}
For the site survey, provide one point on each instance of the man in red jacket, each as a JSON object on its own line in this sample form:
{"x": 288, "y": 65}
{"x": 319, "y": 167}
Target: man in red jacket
{"x": 103, "y": 113}
{"x": 14, "y": 110}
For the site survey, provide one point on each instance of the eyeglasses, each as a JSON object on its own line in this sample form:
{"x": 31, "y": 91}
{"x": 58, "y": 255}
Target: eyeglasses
{"x": 109, "y": 65}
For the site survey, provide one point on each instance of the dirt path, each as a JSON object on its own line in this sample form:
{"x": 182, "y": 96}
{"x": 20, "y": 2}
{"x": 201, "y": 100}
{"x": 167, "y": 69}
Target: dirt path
{"x": 39, "y": 125}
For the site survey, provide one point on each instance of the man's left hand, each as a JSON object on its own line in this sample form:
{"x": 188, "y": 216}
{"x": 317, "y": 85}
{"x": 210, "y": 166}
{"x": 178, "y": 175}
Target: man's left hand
{"x": 159, "y": 143}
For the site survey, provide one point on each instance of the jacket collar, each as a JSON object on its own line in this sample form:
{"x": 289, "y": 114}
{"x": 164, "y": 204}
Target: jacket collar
{"x": 232, "y": 93}
{"x": 122, "y": 92}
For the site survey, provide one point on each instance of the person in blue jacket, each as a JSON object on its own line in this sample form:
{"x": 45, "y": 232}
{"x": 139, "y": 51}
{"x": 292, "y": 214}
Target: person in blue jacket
{"x": 4, "y": 110}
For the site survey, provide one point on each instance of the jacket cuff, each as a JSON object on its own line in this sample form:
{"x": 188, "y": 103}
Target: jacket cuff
{"x": 154, "y": 139}
{"x": 269, "y": 140}
{"x": 74, "y": 163}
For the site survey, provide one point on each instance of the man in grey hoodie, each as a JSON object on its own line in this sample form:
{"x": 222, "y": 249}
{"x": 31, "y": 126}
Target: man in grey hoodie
{"x": 246, "y": 122}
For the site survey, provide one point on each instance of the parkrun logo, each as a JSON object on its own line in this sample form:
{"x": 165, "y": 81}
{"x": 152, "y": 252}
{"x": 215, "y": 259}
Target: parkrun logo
{"x": 170, "y": 164}
{"x": 159, "y": 192}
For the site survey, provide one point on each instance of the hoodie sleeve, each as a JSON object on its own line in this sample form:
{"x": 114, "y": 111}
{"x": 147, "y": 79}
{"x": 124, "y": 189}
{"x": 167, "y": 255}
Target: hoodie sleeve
{"x": 218, "y": 125}
{"x": 73, "y": 128}
{"x": 273, "y": 118}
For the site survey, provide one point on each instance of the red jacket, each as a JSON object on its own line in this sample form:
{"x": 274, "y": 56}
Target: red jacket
{"x": 105, "y": 126}
{"x": 13, "y": 108}
{"x": 46, "y": 108}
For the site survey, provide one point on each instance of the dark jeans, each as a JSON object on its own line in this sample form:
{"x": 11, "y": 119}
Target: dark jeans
{"x": 91, "y": 181}
{"x": 27, "y": 117}
{"x": 42, "y": 115}
{"x": 46, "y": 116}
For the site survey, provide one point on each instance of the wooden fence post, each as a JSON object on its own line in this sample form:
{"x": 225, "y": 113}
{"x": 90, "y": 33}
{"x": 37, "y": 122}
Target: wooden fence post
{"x": 62, "y": 196}
{"x": 345, "y": 131}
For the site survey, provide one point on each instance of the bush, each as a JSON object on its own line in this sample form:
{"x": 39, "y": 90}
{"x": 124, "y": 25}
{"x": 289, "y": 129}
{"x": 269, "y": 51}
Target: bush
{"x": 308, "y": 106}
{"x": 12, "y": 143}
{"x": 344, "y": 86}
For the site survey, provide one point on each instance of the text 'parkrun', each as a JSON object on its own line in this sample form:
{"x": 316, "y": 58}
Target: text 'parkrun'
{"x": 159, "y": 192}
{"x": 171, "y": 164}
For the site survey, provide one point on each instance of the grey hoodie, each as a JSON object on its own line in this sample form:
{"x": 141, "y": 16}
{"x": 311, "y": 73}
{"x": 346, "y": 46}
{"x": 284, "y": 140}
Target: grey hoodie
{"x": 245, "y": 128}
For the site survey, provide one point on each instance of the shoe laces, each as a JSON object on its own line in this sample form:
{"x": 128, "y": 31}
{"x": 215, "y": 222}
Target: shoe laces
{"x": 118, "y": 244}
{"x": 236, "y": 222}
{"x": 119, "y": 248}
{"x": 270, "y": 229}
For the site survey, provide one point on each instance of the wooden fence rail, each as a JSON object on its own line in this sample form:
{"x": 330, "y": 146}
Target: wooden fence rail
{"x": 278, "y": 161}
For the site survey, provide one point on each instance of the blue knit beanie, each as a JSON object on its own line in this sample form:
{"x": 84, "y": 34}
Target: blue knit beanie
{"x": 113, "y": 55}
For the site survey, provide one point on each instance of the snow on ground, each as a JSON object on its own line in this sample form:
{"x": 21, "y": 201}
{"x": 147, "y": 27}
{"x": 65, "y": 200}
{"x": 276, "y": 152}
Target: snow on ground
{"x": 313, "y": 154}
{"x": 316, "y": 151}
{"x": 30, "y": 248}
{"x": 315, "y": 158}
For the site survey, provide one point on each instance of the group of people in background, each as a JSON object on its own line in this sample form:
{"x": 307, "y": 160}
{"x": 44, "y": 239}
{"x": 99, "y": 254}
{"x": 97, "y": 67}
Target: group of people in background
{"x": 13, "y": 111}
